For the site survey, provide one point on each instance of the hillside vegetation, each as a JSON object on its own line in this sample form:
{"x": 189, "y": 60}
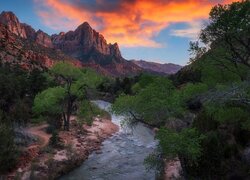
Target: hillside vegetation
{"x": 203, "y": 111}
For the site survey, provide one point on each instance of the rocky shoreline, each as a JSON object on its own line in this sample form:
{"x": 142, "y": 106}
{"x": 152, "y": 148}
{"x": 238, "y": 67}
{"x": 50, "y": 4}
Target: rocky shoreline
{"x": 78, "y": 143}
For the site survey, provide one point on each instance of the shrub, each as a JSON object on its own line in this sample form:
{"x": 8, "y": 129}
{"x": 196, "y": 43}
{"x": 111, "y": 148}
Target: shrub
{"x": 8, "y": 152}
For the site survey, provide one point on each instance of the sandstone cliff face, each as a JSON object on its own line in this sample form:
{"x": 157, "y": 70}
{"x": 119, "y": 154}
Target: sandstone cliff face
{"x": 43, "y": 39}
{"x": 83, "y": 42}
{"x": 23, "y": 30}
{"x": 30, "y": 32}
{"x": 16, "y": 50}
{"x": 10, "y": 20}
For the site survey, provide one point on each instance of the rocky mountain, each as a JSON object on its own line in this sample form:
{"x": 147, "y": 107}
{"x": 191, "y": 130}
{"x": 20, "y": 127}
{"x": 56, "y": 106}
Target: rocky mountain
{"x": 12, "y": 23}
{"x": 83, "y": 44}
{"x": 23, "y": 30}
{"x": 30, "y": 55}
{"x": 158, "y": 68}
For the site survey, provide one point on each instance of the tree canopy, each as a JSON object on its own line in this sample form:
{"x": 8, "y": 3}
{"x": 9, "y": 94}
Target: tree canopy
{"x": 61, "y": 100}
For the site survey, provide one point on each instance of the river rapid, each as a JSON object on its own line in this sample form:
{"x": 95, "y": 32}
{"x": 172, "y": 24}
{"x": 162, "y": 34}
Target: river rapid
{"x": 121, "y": 156}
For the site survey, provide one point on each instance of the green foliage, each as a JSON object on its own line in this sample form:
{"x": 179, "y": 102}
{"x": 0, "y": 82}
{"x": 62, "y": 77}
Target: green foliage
{"x": 49, "y": 101}
{"x": 227, "y": 114}
{"x": 209, "y": 165}
{"x": 144, "y": 80}
{"x": 91, "y": 78}
{"x": 230, "y": 24}
{"x": 154, "y": 161}
{"x": 66, "y": 70}
{"x": 191, "y": 90}
{"x": 152, "y": 104}
{"x": 216, "y": 68}
{"x": 155, "y": 102}
{"x": 89, "y": 110}
{"x": 217, "y": 79}
{"x": 8, "y": 153}
{"x": 59, "y": 102}
{"x": 186, "y": 143}
{"x": 112, "y": 88}
{"x": 17, "y": 90}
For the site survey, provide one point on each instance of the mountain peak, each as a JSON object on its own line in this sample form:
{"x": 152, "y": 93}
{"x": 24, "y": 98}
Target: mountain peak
{"x": 9, "y": 15}
{"x": 84, "y": 44}
{"x": 84, "y": 25}
{"x": 10, "y": 20}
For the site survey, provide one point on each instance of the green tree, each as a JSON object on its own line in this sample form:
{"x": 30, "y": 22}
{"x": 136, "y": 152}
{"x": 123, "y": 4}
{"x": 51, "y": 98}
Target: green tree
{"x": 50, "y": 103}
{"x": 61, "y": 101}
{"x": 152, "y": 104}
{"x": 229, "y": 25}
{"x": 185, "y": 144}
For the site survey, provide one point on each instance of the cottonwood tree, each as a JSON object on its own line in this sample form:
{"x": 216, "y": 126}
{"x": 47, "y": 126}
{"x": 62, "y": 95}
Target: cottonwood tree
{"x": 152, "y": 103}
{"x": 61, "y": 101}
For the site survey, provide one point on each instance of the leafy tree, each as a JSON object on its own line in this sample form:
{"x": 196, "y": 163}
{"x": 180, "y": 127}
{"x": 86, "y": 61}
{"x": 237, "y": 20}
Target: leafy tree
{"x": 196, "y": 51}
{"x": 229, "y": 25}
{"x": 66, "y": 74}
{"x": 185, "y": 144}
{"x": 61, "y": 101}
{"x": 50, "y": 103}
{"x": 152, "y": 104}
{"x": 17, "y": 91}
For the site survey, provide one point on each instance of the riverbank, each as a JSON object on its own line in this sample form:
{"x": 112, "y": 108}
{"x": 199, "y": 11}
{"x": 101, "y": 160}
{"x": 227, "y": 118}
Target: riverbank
{"x": 44, "y": 162}
{"x": 122, "y": 155}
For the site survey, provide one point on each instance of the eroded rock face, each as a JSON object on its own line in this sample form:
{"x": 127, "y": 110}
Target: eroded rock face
{"x": 84, "y": 41}
{"x": 30, "y": 32}
{"x": 84, "y": 44}
{"x": 43, "y": 39}
{"x": 28, "y": 54}
{"x": 23, "y": 30}
{"x": 12, "y": 23}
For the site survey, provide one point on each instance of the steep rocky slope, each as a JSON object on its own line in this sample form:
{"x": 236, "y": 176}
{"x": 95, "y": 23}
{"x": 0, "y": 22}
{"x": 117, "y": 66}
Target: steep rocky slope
{"x": 83, "y": 44}
{"x": 17, "y": 50}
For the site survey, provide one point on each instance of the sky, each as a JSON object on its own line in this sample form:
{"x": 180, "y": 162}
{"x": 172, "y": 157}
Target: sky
{"x": 152, "y": 30}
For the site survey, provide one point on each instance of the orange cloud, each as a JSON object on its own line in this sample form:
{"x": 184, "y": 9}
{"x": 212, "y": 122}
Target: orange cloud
{"x": 129, "y": 22}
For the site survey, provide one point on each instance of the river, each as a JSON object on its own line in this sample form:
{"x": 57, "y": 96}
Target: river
{"x": 122, "y": 155}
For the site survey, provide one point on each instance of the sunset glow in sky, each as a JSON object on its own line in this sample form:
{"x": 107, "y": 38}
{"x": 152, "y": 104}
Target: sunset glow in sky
{"x": 155, "y": 30}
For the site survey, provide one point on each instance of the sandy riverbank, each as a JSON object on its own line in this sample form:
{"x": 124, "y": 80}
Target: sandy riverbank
{"x": 39, "y": 161}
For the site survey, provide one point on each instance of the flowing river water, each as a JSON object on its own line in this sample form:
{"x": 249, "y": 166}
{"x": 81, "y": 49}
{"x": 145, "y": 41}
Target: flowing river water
{"x": 122, "y": 156}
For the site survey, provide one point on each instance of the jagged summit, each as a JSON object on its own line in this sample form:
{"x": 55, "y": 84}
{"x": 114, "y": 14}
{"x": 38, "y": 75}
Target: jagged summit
{"x": 9, "y": 19}
{"x": 84, "y": 44}
{"x": 88, "y": 45}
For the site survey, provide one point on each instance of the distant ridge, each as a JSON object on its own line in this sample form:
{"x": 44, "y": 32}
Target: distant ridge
{"x": 167, "y": 68}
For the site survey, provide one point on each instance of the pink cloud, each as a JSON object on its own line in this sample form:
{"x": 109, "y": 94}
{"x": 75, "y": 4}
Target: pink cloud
{"x": 130, "y": 23}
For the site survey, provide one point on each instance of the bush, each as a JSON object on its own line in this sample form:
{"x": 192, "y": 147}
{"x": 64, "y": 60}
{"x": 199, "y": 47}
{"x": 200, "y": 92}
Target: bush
{"x": 8, "y": 152}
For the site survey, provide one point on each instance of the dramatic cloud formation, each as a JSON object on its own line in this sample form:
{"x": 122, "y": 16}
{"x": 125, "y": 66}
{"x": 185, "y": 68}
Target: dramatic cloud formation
{"x": 129, "y": 22}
